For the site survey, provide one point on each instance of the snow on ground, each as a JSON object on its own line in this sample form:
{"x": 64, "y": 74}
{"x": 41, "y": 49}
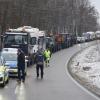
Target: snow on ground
{"x": 86, "y": 66}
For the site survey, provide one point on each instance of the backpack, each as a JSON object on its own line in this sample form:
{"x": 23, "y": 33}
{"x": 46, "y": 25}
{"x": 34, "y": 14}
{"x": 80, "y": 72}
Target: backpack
{"x": 40, "y": 58}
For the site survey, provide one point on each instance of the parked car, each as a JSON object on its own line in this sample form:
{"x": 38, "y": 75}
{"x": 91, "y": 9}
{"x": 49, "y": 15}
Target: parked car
{"x": 4, "y": 77}
{"x": 10, "y": 56}
{"x": 80, "y": 39}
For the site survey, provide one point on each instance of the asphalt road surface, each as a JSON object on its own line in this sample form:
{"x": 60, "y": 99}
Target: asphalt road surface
{"x": 56, "y": 85}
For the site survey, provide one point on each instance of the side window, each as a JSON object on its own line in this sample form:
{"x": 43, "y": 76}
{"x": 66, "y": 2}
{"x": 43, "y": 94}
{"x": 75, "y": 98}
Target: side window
{"x": 33, "y": 40}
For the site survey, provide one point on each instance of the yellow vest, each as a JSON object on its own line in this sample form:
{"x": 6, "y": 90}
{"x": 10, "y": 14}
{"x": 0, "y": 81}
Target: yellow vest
{"x": 47, "y": 53}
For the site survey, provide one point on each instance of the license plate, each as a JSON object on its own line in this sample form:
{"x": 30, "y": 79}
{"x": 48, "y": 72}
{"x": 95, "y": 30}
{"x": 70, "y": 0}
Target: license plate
{"x": 12, "y": 70}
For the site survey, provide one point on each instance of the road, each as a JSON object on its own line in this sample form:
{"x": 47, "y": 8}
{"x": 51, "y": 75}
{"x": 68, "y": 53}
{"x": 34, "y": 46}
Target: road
{"x": 56, "y": 85}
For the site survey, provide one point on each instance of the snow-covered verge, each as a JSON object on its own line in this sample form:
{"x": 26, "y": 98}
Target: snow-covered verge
{"x": 85, "y": 68}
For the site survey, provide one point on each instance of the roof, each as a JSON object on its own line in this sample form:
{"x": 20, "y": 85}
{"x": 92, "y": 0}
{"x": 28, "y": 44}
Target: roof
{"x": 63, "y": 33}
{"x": 19, "y": 33}
{"x": 23, "y": 30}
{"x": 28, "y": 29}
{"x": 41, "y": 33}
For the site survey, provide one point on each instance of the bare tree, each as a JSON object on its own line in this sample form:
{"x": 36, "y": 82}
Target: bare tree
{"x": 50, "y": 15}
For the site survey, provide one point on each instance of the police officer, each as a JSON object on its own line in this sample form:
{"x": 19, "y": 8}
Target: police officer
{"x": 21, "y": 65}
{"x": 39, "y": 58}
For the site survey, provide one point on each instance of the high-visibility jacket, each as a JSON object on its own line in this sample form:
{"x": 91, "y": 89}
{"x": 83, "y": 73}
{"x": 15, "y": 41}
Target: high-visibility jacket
{"x": 47, "y": 53}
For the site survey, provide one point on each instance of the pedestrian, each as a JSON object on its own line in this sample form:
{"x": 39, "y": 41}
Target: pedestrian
{"x": 21, "y": 65}
{"x": 39, "y": 59}
{"x": 47, "y": 55}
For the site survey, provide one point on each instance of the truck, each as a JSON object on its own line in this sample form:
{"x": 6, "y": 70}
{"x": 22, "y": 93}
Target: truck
{"x": 41, "y": 40}
{"x": 19, "y": 39}
{"x": 88, "y": 36}
{"x": 37, "y": 39}
{"x": 50, "y": 43}
{"x": 26, "y": 38}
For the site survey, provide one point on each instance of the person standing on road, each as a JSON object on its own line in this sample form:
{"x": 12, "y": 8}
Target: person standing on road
{"x": 39, "y": 59}
{"x": 47, "y": 55}
{"x": 21, "y": 65}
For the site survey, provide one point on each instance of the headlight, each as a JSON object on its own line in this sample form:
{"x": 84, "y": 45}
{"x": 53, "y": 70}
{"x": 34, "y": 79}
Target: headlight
{"x": 1, "y": 74}
{"x": 7, "y": 69}
{"x": 26, "y": 57}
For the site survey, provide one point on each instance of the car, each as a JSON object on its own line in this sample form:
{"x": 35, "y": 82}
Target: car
{"x": 80, "y": 39}
{"x": 10, "y": 56}
{"x": 4, "y": 77}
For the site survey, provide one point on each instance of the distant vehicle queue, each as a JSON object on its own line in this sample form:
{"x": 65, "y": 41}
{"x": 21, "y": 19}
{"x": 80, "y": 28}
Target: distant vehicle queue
{"x": 30, "y": 40}
{"x": 88, "y": 36}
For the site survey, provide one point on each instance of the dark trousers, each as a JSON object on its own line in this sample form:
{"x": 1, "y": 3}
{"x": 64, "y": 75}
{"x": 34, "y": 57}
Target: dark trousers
{"x": 37, "y": 70}
{"x": 21, "y": 74}
{"x": 47, "y": 61}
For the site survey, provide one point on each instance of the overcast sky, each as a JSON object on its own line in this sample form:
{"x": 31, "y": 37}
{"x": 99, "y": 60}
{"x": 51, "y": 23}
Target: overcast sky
{"x": 96, "y": 3}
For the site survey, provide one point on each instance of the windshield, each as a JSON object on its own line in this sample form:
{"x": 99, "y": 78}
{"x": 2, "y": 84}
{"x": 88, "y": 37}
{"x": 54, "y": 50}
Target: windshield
{"x": 9, "y": 57}
{"x": 33, "y": 40}
{"x": 49, "y": 40}
{"x": 16, "y": 39}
